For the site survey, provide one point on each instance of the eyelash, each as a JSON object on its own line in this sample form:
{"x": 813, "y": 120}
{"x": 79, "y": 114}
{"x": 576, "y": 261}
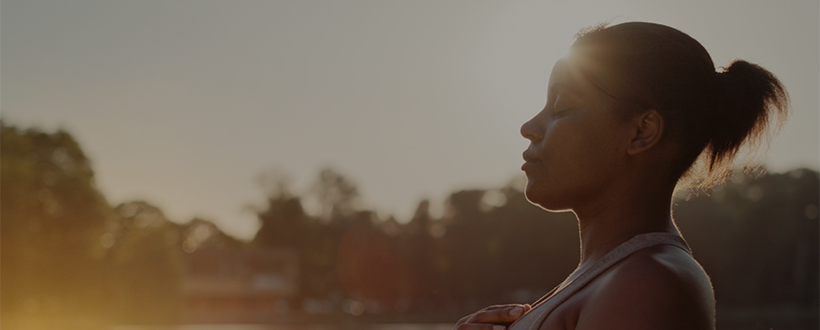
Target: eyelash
{"x": 557, "y": 110}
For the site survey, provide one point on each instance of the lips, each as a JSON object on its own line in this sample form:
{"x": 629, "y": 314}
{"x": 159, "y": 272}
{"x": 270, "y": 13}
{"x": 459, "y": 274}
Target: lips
{"x": 530, "y": 161}
{"x": 528, "y": 166}
{"x": 529, "y": 156}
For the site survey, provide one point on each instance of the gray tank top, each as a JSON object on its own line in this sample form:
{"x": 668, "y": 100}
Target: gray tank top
{"x": 543, "y": 307}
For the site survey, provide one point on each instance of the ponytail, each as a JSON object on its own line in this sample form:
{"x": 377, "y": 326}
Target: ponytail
{"x": 749, "y": 98}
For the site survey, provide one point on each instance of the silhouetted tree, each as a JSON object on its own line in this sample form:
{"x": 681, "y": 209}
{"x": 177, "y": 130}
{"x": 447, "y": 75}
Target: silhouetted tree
{"x": 144, "y": 261}
{"x": 53, "y": 217}
{"x": 337, "y": 195}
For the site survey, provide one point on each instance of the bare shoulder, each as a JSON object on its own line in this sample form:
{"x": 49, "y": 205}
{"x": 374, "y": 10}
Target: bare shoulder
{"x": 661, "y": 287}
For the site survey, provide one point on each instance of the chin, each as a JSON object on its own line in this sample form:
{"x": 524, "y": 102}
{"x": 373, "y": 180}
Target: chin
{"x": 544, "y": 201}
{"x": 553, "y": 209}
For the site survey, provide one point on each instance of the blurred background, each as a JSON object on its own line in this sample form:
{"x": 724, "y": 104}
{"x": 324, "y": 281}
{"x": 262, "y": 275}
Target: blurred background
{"x": 335, "y": 165}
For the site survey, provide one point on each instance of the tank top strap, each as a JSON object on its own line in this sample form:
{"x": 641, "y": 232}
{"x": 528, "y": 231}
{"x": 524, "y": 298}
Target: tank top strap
{"x": 543, "y": 307}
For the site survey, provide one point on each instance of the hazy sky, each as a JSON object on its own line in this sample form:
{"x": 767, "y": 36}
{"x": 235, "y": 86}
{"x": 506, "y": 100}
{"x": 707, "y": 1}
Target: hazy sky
{"x": 184, "y": 103}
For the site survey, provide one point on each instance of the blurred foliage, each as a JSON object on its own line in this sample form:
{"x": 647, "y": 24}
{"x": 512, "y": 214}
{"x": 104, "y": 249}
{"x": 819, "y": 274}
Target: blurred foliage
{"x": 52, "y": 221}
{"x": 144, "y": 265}
{"x": 68, "y": 255}
{"x": 69, "y": 260}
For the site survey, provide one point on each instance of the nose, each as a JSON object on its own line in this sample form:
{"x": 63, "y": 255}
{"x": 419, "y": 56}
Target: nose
{"x": 532, "y": 130}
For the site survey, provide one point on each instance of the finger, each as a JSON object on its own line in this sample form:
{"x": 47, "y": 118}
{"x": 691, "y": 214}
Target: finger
{"x": 477, "y": 326}
{"x": 500, "y": 315}
{"x": 489, "y": 308}
{"x": 497, "y": 307}
{"x": 463, "y": 320}
{"x": 510, "y": 308}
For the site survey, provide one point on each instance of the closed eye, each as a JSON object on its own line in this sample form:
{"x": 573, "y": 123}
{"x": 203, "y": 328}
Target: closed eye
{"x": 563, "y": 104}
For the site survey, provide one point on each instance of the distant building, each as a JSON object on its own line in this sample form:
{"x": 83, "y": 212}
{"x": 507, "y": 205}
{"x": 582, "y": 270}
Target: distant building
{"x": 237, "y": 284}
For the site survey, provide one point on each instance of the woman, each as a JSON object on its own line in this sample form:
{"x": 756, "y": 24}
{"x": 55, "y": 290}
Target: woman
{"x": 634, "y": 111}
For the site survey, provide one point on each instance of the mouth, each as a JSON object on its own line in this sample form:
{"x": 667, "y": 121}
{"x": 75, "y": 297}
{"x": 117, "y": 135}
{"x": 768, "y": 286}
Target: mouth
{"x": 529, "y": 160}
{"x": 528, "y": 157}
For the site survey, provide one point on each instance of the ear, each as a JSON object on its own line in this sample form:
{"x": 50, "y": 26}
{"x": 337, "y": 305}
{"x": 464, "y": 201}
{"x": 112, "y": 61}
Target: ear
{"x": 648, "y": 130}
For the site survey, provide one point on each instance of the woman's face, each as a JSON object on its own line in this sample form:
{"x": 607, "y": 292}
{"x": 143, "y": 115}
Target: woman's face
{"x": 577, "y": 142}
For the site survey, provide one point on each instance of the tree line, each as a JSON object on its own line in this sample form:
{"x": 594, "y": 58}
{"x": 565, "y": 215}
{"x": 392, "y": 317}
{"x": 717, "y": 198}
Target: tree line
{"x": 67, "y": 254}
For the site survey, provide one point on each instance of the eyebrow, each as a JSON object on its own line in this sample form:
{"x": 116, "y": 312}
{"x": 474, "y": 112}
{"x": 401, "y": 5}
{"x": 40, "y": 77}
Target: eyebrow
{"x": 598, "y": 85}
{"x": 564, "y": 82}
{"x": 594, "y": 82}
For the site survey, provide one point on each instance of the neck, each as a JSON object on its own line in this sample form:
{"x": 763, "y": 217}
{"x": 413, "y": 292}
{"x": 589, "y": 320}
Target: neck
{"x": 623, "y": 215}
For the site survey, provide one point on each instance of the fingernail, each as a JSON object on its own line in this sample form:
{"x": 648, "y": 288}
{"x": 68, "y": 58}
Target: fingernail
{"x": 515, "y": 312}
{"x": 498, "y": 327}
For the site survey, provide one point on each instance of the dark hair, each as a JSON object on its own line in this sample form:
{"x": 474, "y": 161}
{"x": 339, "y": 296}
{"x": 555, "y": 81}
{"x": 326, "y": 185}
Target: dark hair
{"x": 707, "y": 114}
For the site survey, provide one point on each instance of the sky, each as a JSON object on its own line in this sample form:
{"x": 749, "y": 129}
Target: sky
{"x": 184, "y": 104}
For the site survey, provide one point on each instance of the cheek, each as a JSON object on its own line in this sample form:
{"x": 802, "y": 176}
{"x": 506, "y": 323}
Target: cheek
{"x": 575, "y": 157}
{"x": 565, "y": 145}
{"x": 558, "y": 174}
{"x": 597, "y": 141}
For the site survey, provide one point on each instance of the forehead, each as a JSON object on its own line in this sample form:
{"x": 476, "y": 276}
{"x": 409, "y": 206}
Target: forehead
{"x": 561, "y": 74}
{"x": 592, "y": 64}
{"x": 571, "y": 74}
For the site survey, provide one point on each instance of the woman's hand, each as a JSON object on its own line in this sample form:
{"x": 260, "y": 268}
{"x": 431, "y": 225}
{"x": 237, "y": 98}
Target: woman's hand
{"x": 496, "y": 317}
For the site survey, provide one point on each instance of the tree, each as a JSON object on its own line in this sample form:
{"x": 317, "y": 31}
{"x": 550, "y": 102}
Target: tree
{"x": 144, "y": 265}
{"x": 338, "y": 197}
{"x": 53, "y": 218}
